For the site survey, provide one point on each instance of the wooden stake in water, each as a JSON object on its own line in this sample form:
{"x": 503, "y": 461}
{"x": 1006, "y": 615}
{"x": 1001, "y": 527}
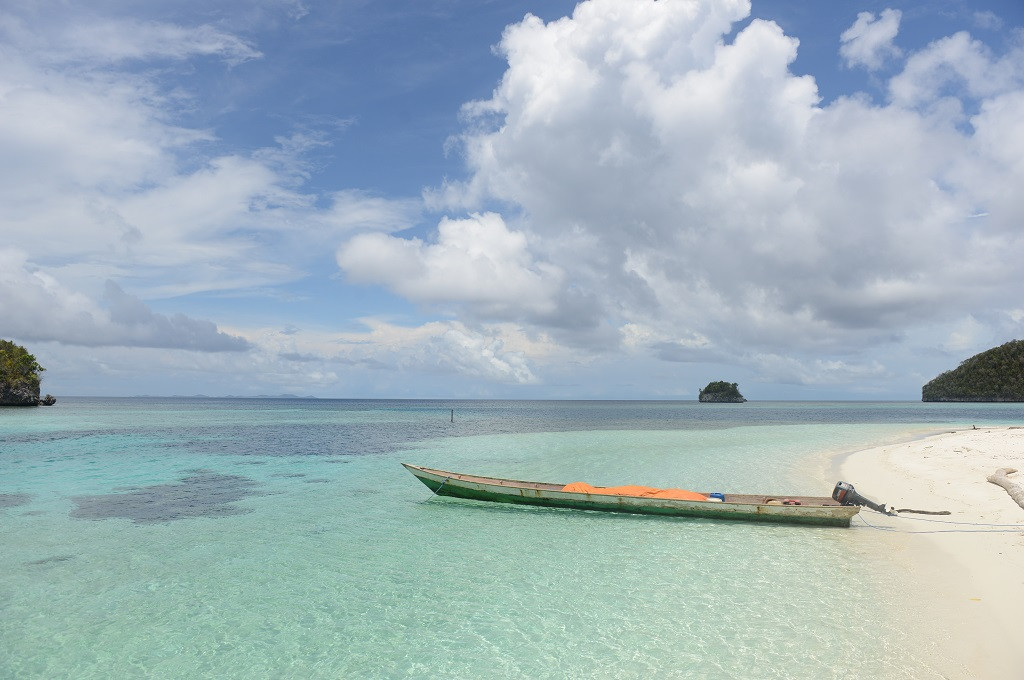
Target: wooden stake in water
{"x": 453, "y": 415}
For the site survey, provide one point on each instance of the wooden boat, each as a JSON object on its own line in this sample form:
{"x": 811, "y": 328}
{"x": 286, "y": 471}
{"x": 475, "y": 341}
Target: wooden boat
{"x": 820, "y": 510}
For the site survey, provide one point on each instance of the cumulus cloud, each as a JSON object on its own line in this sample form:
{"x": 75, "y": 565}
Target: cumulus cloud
{"x": 644, "y": 178}
{"x": 869, "y": 42}
{"x": 476, "y": 261}
{"x": 35, "y": 306}
{"x": 702, "y": 197}
{"x": 957, "y": 70}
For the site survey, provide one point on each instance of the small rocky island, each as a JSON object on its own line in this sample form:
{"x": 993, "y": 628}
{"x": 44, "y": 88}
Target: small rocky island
{"x": 19, "y": 377}
{"x": 994, "y": 375}
{"x": 721, "y": 393}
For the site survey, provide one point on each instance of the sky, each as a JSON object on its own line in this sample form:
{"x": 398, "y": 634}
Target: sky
{"x": 615, "y": 199}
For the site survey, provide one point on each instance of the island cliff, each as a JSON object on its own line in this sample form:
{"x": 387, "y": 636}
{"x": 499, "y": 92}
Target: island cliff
{"x": 19, "y": 377}
{"x": 993, "y": 375}
{"x": 721, "y": 393}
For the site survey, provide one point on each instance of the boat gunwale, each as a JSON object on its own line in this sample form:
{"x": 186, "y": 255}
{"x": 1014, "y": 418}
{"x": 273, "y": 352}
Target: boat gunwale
{"x": 755, "y": 500}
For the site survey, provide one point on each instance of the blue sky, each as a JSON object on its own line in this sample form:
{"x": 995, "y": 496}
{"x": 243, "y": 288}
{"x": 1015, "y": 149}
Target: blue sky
{"x": 610, "y": 199}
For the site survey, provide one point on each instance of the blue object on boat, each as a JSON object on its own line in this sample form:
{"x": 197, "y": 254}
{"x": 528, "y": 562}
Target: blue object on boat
{"x": 719, "y": 496}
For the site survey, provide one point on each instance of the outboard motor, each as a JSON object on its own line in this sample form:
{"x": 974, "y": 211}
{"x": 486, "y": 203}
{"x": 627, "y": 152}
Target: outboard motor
{"x": 847, "y": 495}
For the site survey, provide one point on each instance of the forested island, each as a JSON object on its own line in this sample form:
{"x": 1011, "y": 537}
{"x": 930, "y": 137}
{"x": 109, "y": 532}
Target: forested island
{"x": 994, "y": 375}
{"x": 20, "y": 377}
{"x": 721, "y": 393}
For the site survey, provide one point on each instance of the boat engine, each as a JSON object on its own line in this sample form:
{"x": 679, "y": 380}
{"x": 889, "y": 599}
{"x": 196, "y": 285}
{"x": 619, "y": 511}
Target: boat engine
{"x": 847, "y": 495}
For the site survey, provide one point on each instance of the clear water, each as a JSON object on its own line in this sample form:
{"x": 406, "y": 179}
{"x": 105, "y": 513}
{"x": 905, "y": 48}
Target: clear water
{"x": 169, "y": 538}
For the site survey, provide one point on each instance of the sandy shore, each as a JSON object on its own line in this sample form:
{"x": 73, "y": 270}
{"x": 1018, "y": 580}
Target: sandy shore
{"x": 970, "y": 576}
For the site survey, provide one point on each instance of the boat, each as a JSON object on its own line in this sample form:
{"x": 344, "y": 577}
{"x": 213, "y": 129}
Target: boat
{"x": 819, "y": 510}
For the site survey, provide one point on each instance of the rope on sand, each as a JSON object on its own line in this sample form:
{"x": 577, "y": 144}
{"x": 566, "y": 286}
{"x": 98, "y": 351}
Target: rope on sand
{"x": 1016, "y": 491}
{"x": 1000, "y": 478}
{"x": 998, "y": 528}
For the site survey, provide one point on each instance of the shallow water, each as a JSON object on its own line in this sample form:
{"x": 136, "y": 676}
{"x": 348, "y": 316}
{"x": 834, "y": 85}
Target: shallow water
{"x": 259, "y": 538}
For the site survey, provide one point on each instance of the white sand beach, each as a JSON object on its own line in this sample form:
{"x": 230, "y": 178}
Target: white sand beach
{"x": 970, "y": 575}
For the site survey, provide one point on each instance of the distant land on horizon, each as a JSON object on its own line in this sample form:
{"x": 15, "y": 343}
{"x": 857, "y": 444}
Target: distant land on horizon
{"x": 226, "y": 396}
{"x": 451, "y": 398}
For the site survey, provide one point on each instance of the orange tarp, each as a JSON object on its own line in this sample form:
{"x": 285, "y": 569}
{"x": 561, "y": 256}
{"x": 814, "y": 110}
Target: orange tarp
{"x": 635, "y": 490}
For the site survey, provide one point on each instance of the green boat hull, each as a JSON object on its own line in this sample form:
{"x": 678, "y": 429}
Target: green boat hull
{"x": 818, "y": 511}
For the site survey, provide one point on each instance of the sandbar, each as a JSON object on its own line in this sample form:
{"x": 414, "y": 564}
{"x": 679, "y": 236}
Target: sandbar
{"x": 968, "y": 567}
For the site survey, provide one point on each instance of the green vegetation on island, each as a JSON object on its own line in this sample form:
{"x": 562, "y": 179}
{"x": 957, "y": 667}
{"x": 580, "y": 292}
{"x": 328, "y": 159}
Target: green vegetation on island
{"x": 721, "y": 392}
{"x": 994, "y": 375}
{"x": 20, "y": 377}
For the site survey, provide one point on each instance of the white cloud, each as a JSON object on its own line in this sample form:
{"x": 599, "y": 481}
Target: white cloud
{"x": 95, "y": 174}
{"x": 790, "y": 370}
{"x": 663, "y": 191}
{"x": 73, "y": 131}
{"x": 353, "y": 210}
{"x": 114, "y": 40}
{"x": 964, "y": 336}
{"x": 477, "y": 261}
{"x": 35, "y": 306}
{"x": 501, "y": 353}
{"x": 382, "y": 359}
{"x": 474, "y": 355}
{"x": 955, "y": 69}
{"x": 988, "y": 20}
{"x": 692, "y": 189}
{"x": 101, "y": 181}
{"x": 59, "y": 34}
{"x": 178, "y": 232}
{"x": 869, "y": 41}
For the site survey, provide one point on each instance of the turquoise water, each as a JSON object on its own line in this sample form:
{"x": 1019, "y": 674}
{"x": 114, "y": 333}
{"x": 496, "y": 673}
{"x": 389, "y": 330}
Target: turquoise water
{"x": 169, "y": 538}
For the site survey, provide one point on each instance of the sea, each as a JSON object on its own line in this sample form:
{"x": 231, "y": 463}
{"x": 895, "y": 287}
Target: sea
{"x": 281, "y": 538}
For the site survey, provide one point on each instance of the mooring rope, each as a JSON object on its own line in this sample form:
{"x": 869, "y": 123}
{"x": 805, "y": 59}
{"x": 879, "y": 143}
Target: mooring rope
{"x": 973, "y": 524}
{"x": 438, "y": 488}
{"x": 1017, "y": 527}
